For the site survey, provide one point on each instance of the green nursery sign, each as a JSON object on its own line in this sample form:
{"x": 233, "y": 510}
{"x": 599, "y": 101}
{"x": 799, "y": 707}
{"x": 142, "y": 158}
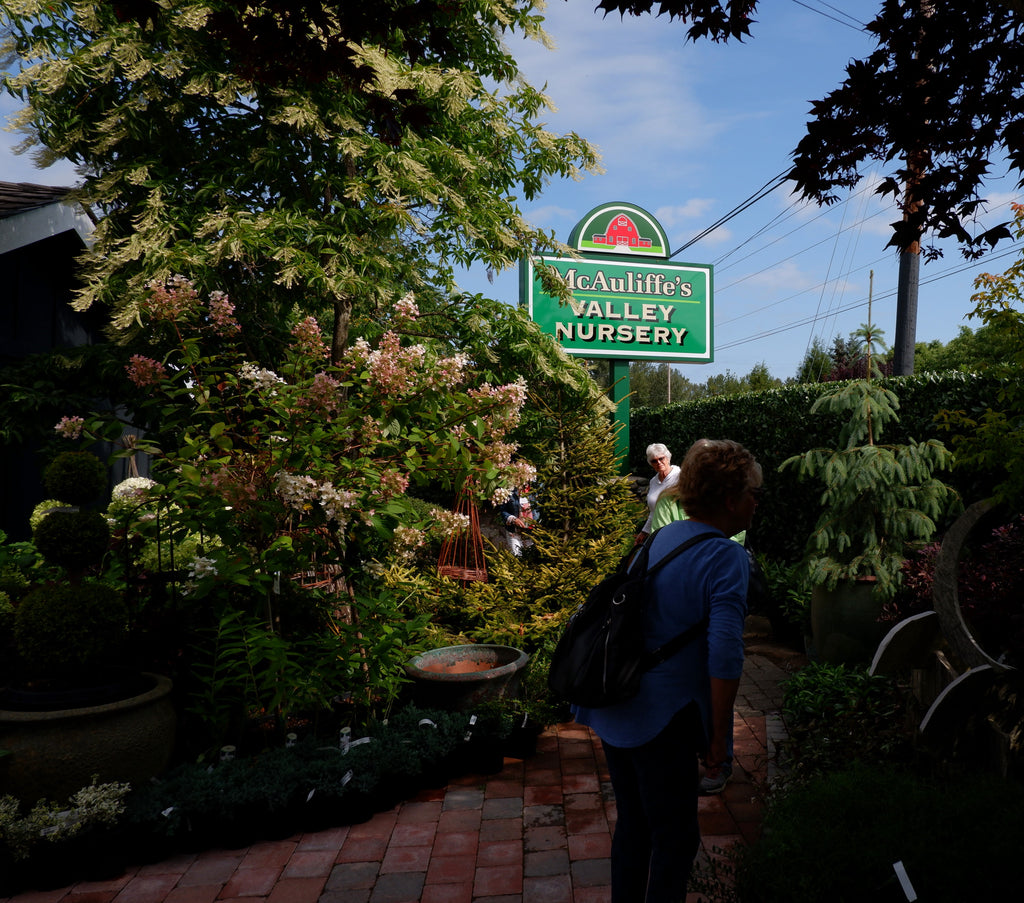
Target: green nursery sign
{"x": 628, "y": 300}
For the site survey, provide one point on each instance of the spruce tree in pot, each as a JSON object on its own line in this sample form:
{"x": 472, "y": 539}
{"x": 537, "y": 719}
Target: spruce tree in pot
{"x": 878, "y": 499}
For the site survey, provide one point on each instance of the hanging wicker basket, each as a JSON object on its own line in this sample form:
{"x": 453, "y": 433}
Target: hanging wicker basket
{"x": 462, "y": 555}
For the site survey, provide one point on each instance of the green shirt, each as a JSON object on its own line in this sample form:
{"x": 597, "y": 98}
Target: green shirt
{"x": 668, "y": 509}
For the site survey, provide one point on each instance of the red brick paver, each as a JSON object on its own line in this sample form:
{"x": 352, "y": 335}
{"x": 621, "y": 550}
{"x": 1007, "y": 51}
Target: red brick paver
{"x": 537, "y": 832}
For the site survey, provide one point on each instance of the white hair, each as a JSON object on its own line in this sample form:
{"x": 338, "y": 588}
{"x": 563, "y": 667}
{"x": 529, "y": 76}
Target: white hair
{"x": 656, "y": 450}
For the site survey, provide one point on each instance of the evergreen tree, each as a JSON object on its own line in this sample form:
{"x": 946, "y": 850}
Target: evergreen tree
{"x": 649, "y": 385}
{"x": 816, "y": 366}
{"x": 587, "y": 517}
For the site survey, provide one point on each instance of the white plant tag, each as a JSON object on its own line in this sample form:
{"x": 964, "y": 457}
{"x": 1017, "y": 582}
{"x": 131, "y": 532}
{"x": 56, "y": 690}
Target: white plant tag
{"x": 908, "y": 888}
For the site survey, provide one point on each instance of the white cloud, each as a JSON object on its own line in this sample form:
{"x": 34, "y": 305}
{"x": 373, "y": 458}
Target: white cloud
{"x": 694, "y": 208}
{"x": 550, "y": 213}
{"x": 630, "y": 85}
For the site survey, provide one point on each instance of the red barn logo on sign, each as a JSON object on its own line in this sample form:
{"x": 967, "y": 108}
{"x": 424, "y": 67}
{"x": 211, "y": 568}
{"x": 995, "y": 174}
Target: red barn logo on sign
{"x": 622, "y": 233}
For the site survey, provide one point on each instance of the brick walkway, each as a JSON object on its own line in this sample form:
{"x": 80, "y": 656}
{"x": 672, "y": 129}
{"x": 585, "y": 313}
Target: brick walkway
{"x": 538, "y": 832}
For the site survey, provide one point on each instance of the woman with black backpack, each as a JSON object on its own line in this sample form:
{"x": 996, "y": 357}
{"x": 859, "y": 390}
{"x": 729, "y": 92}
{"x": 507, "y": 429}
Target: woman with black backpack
{"x": 684, "y": 707}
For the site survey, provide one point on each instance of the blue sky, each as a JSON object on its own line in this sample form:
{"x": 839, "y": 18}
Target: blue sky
{"x": 690, "y": 131}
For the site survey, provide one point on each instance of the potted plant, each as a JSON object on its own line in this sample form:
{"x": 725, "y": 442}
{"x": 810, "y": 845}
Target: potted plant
{"x": 75, "y": 706}
{"x": 878, "y": 499}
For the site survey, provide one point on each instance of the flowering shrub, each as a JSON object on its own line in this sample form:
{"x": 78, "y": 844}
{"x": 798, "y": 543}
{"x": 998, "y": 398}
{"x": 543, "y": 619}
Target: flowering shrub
{"x": 297, "y": 469}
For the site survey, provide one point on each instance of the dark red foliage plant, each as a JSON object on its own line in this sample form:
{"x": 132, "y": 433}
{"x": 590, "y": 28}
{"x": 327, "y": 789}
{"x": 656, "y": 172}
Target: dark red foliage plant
{"x": 990, "y": 589}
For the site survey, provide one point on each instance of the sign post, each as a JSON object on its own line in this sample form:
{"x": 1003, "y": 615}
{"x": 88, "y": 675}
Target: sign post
{"x": 629, "y": 301}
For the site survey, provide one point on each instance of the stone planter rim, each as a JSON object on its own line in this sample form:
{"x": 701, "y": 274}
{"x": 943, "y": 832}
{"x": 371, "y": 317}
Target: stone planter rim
{"x": 413, "y": 666}
{"x": 161, "y": 687}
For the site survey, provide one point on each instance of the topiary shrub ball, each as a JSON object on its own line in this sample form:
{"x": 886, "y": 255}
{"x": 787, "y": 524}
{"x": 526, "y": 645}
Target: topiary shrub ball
{"x": 76, "y": 478}
{"x": 73, "y": 539}
{"x": 62, "y": 629}
{"x": 41, "y": 510}
{"x": 7, "y": 611}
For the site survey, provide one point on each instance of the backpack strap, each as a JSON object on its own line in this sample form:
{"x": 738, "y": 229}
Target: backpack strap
{"x": 667, "y": 650}
{"x": 677, "y": 551}
{"x": 657, "y": 656}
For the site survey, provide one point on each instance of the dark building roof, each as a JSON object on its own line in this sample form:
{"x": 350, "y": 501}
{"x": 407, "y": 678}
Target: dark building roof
{"x": 17, "y": 197}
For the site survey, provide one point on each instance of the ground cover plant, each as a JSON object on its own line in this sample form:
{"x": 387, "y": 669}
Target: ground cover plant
{"x": 837, "y": 838}
{"x": 856, "y": 795}
{"x": 839, "y": 714}
{"x": 231, "y": 800}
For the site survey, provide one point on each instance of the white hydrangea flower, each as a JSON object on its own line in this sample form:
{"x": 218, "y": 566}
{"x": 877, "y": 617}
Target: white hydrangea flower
{"x": 263, "y": 379}
{"x": 133, "y": 487}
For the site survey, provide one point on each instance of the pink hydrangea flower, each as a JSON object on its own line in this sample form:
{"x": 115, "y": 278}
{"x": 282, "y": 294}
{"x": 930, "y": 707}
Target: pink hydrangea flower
{"x": 70, "y": 427}
{"x": 171, "y": 300}
{"x": 308, "y": 339}
{"x": 222, "y": 315}
{"x": 144, "y": 371}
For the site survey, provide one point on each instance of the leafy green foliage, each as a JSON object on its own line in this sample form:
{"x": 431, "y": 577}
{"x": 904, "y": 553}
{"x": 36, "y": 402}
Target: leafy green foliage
{"x": 991, "y": 436}
{"x": 586, "y": 515}
{"x": 63, "y": 630}
{"x": 383, "y": 154}
{"x": 877, "y": 498}
{"x": 969, "y": 351}
{"x": 838, "y": 714}
{"x": 73, "y": 540}
{"x": 51, "y": 821}
{"x": 37, "y": 390}
{"x": 776, "y": 425}
{"x": 789, "y": 594}
{"x": 649, "y": 385}
{"x": 19, "y": 564}
{"x": 847, "y": 359}
{"x": 75, "y": 477}
{"x": 292, "y": 478}
{"x": 836, "y": 838}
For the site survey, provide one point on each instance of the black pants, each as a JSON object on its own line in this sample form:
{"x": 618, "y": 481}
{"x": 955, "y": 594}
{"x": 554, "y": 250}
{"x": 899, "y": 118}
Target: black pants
{"x": 656, "y": 834}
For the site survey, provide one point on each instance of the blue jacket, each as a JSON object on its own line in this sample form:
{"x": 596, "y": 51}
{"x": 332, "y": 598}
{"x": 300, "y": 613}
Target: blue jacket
{"x": 710, "y": 578}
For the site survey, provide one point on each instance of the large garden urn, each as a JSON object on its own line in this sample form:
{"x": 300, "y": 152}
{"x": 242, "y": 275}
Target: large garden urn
{"x": 54, "y": 753}
{"x": 457, "y": 678}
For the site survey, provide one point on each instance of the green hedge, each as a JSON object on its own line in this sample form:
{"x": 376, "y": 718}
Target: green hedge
{"x": 777, "y": 424}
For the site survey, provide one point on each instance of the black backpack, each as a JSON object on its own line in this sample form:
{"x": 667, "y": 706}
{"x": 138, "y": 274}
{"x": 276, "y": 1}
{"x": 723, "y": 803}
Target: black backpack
{"x": 600, "y": 657}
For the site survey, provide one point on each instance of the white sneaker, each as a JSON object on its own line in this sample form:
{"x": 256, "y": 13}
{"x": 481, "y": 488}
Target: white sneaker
{"x": 715, "y": 778}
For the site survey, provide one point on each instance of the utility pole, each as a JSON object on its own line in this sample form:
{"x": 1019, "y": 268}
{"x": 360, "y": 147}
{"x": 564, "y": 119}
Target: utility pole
{"x": 910, "y": 262}
{"x": 906, "y": 303}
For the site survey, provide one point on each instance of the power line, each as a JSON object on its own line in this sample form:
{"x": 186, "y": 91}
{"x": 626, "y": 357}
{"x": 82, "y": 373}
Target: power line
{"x": 758, "y": 195}
{"x": 858, "y": 26}
{"x": 861, "y": 302}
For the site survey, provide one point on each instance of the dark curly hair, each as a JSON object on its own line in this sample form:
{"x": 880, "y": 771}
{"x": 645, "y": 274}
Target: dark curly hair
{"x": 712, "y": 471}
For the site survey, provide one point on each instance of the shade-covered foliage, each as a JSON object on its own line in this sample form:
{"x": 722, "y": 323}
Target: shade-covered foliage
{"x": 777, "y": 424}
{"x": 586, "y": 518}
